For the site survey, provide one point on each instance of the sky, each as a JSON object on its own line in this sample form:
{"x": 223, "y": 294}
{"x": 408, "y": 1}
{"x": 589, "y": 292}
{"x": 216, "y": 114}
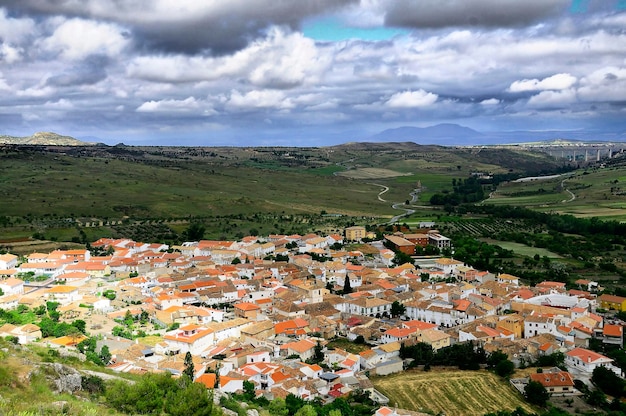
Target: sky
{"x": 307, "y": 72}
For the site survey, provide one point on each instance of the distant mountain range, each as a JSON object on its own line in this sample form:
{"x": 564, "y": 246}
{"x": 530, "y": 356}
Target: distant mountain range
{"x": 456, "y": 135}
{"x": 45, "y": 139}
{"x": 440, "y": 134}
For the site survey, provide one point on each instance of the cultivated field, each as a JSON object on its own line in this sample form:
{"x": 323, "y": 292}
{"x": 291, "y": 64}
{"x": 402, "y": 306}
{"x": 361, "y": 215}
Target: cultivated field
{"x": 455, "y": 392}
{"x": 522, "y": 249}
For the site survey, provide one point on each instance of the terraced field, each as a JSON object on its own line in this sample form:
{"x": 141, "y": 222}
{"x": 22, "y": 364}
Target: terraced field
{"x": 455, "y": 392}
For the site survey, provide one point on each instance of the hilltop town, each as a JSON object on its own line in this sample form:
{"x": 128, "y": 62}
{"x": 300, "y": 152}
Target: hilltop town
{"x": 310, "y": 315}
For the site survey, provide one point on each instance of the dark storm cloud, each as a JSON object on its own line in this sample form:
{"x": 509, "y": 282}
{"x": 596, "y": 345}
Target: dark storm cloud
{"x": 186, "y": 26}
{"x": 91, "y": 71}
{"x": 484, "y": 13}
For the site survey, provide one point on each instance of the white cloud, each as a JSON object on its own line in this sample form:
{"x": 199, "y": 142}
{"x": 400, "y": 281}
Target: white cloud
{"x": 189, "y": 104}
{"x": 554, "y": 83}
{"x": 553, "y": 99}
{"x": 605, "y": 84}
{"x": 490, "y": 102}
{"x": 281, "y": 60}
{"x": 259, "y": 99}
{"x": 15, "y": 30}
{"x": 10, "y": 54}
{"x": 78, "y": 38}
{"x": 409, "y": 99}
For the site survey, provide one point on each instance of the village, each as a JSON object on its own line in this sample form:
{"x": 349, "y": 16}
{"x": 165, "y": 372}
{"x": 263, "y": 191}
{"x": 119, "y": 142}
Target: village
{"x": 281, "y": 311}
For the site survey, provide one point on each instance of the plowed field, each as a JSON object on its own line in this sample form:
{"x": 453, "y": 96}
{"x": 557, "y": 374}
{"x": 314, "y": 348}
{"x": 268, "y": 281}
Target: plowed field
{"x": 455, "y": 392}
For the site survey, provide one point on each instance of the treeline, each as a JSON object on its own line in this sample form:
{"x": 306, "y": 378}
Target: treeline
{"x": 465, "y": 355}
{"x": 564, "y": 223}
{"x": 464, "y": 191}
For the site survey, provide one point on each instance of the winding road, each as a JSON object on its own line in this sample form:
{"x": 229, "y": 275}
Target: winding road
{"x": 398, "y": 206}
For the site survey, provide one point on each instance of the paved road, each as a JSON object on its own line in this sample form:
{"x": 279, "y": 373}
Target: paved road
{"x": 402, "y": 206}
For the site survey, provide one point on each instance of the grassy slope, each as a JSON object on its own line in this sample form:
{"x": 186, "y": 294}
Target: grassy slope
{"x": 598, "y": 192}
{"x": 455, "y": 392}
{"x": 24, "y": 391}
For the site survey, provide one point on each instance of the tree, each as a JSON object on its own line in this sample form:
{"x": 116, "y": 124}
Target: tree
{"x": 536, "y": 394}
{"x": 609, "y": 382}
{"x": 347, "y": 288}
{"x": 306, "y": 410}
{"x": 105, "y": 355}
{"x": 278, "y": 407}
{"x": 195, "y": 231}
{"x": 189, "y": 370}
{"x": 192, "y": 400}
{"x": 505, "y": 368}
{"x": 397, "y": 309}
{"x": 248, "y": 391}
{"x": 293, "y": 403}
{"x": 318, "y": 354}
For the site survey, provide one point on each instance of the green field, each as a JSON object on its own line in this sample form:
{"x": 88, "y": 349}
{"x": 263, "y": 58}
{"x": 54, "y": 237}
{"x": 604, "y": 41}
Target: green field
{"x": 593, "y": 192}
{"x": 522, "y": 249}
{"x": 455, "y": 392}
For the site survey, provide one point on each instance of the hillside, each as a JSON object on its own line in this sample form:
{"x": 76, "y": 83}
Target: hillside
{"x": 44, "y": 139}
{"x": 52, "y": 192}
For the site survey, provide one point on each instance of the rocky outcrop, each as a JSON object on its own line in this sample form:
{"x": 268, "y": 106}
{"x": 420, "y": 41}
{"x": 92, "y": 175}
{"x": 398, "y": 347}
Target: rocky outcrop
{"x": 62, "y": 379}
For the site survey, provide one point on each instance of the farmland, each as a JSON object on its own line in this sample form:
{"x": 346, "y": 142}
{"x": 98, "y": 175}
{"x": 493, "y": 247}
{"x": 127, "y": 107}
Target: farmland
{"x": 154, "y": 192}
{"x": 588, "y": 192}
{"x": 455, "y": 392}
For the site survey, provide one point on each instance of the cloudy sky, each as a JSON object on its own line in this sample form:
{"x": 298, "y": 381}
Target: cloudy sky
{"x": 307, "y": 72}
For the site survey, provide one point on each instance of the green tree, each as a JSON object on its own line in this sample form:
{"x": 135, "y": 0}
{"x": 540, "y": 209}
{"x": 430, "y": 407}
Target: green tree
{"x": 306, "y": 410}
{"x": 347, "y": 288}
{"x": 397, "y": 309}
{"x": 80, "y": 325}
{"x": 195, "y": 231}
{"x": 505, "y": 368}
{"x": 536, "y": 394}
{"x": 278, "y": 407}
{"x": 609, "y": 382}
{"x": 191, "y": 400}
{"x": 189, "y": 370}
{"x": 105, "y": 355}
{"x": 293, "y": 403}
{"x": 248, "y": 391}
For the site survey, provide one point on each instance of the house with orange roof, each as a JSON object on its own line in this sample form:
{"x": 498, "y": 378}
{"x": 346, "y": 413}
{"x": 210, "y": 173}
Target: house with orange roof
{"x": 557, "y": 383}
{"x": 304, "y": 348}
{"x": 25, "y": 334}
{"x": 10, "y": 302}
{"x": 507, "y": 279}
{"x": 94, "y": 269}
{"x": 231, "y": 383}
{"x": 448, "y": 265}
{"x": 613, "y": 334}
{"x": 586, "y": 361}
{"x": 398, "y": 334}
{"x": 8, "y": 261}
{"x": 63, "y": 294}
{"x": 297, "y": 327}
{"x": 52, "y": 269}
{"x": 189, "y": 338}
{"x": 74, "y": 278}
{"x": 247, "y": 310}
{"x": 513, "y": 323}
{"x": 434, "y": 337}
{"x": 12, "y": 286}
{"x": 208, "y": 380}
{"x": 612, "y": 302}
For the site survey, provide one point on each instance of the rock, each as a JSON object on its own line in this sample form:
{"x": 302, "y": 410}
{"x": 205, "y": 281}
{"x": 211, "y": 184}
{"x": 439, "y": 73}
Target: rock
{"x": 63, "y": 379}
{"x": 228, "y": 412}
{"x": 252, "y": 412}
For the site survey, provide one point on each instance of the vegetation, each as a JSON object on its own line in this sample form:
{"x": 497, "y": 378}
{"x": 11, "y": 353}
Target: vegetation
{"x": 454, "y": 392}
